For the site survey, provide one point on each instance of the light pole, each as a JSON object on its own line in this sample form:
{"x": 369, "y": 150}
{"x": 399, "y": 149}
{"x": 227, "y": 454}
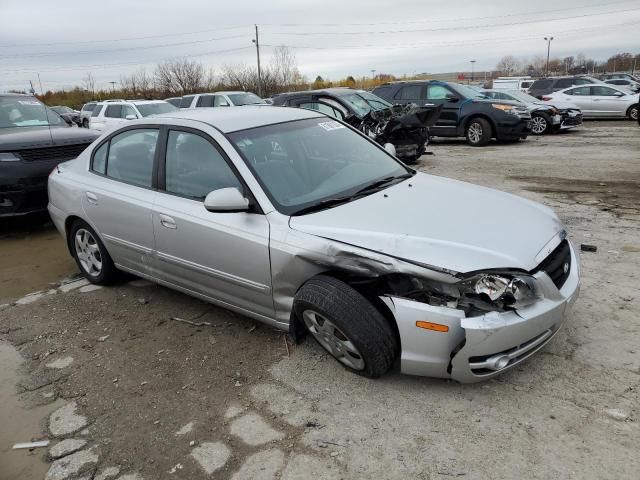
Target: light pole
{"x": 548, "y": 39}
{"x": 257, "y": 43}
{"x": 472, "y": 69}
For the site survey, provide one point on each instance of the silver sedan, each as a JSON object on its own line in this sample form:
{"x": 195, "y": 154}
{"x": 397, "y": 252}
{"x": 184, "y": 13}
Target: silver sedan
{"x": 301, "y": 222}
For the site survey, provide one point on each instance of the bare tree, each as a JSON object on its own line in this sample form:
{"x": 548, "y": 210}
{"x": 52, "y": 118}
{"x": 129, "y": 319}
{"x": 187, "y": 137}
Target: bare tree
{"x": 179, "y": 77}
{"x": 507, "y": 65}
{"x": 138, "y": 84}
{"x": 89, "y": 83}
{"x": 284, "y": 66}
{"x": 568, "y": 62}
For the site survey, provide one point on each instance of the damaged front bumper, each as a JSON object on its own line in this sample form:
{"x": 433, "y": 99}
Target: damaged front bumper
{"x": 477, "y": 348}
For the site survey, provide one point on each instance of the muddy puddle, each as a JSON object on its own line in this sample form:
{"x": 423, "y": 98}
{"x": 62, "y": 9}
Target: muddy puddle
{"x": 32, "y": 256}
{"x": 19, "y": 423}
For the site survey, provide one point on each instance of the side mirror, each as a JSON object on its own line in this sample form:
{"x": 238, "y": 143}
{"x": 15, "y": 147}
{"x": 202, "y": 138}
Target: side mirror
{"x": 451, "y": 98}
{"x": 390, "y": 148}
{"x": 131, "y": 117}
{"x": 226, "y": 200}
{"x": 618, "y": 94}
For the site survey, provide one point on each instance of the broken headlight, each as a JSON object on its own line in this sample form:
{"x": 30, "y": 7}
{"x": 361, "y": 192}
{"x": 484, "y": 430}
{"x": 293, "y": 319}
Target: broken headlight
{"x": 505, "y": 108}
{"x": 476, "y": 295}
{"x": 504, "y": 290}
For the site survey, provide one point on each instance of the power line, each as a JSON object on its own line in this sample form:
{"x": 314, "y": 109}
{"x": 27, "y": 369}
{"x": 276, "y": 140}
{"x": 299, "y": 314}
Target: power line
{"x": 466, "y": 27}
{"x": 125, "y": 49}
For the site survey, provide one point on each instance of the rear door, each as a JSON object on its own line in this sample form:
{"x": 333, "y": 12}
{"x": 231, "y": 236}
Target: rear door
{"x": 580, "y": 96}
{"x": 607, "y": 101}
{"x": 440, "y": 94}
{"x": 119, "y": 201}
{"x": 224, "y": 256}
{"x": 411, "y": 93}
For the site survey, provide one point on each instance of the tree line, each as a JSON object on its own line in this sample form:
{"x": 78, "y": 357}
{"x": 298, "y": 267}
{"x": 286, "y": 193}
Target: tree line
{"x": 570, "y": 65}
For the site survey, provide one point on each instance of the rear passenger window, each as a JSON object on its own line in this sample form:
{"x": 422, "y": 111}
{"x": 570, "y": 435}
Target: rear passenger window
{"x": 113, "y": 111}
{"x": 409, "y": 92}
{"x": 131, "y": 156}
{"x": 194, "y": 167}
{"x": 99, "y": 163}
{"x": 186, "y": 101}
{"x": 205, "y": 101}
{"x": 583, "y": 91}
{"x": 540, "y": 84}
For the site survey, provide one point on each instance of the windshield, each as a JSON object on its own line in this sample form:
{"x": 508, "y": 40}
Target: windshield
{"x": 26, "y": 112}
{"x": 306, "y": 162}
{"x": 147, "y": 109}
{"x": 466, "y": 92}
{"x": 245, "y": 99}
{"x": 363, "y": 102}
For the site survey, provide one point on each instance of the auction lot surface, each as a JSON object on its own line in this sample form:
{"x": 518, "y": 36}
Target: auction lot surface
{"x": 230, "y": 399}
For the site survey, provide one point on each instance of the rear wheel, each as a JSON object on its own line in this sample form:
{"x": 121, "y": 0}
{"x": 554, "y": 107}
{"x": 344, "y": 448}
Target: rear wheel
{"x": 347, "y": 326}
{"x": 478, "y": 132}
{"x": 540, "y": 123}
{"x": 90, "y": 254}
{"x": 632, "y": 113}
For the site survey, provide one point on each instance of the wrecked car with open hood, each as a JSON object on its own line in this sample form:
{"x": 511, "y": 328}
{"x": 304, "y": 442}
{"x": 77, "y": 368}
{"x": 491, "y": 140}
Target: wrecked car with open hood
{"x": 300, "y": 221}
{"x": 406, "y": 127}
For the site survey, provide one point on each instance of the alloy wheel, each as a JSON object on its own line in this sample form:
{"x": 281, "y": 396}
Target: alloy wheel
{"x": 475, "y": 132}
{"x": 634, "y": 113}
{"x": 333, "y": 339}
{"x": 538, "y": 125}
{"x": 88, "y": 252}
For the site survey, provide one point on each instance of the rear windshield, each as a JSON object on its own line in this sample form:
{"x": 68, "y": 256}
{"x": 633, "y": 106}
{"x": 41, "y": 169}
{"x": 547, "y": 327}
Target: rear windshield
{"x": 147, "y": 109}
{"x": 245, "y": 99}
{"x": 540, "y": 84}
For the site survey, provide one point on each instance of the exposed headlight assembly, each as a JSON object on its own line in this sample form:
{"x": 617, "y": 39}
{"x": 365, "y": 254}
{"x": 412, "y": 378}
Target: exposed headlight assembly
{"x": 505, "y": 108}
{"x": 476, "y": 295}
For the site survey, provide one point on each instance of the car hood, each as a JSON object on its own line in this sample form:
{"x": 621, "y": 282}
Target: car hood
{"x": 21, "y": 138}
{"x": 439, "y": 222}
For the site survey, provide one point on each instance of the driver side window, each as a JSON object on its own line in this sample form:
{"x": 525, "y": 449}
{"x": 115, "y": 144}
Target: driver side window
{"x": 194, "y": 167}
{"x": 324, "y": 108}
{"x": 438, "y": 92}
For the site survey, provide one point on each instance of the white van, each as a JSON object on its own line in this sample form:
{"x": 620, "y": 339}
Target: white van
{"x": 513, "y": 83}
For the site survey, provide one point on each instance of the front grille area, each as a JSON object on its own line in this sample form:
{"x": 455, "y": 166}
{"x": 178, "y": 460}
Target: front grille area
{"x": 62, "y": 153}
{"x": 558, "y": 264}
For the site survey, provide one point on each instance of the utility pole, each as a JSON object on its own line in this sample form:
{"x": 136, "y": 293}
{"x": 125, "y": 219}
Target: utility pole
{"x": 548, "y": 39}
{"x": 113, "y": 85}
{"x": 257, "y": 42}
{"x": 40, "y": 82}
{"x": 472, "y": 69}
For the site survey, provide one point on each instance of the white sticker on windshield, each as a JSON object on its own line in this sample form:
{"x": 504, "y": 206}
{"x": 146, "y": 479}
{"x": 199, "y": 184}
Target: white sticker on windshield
{"x": 29, "y": 102}
{"x": 333, "y": 125}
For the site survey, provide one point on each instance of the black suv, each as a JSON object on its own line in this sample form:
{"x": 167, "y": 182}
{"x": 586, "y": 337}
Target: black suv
{"x": 545, "y": 86}
{"x": 465, "y": 111}
{"x": 33, "y": 141}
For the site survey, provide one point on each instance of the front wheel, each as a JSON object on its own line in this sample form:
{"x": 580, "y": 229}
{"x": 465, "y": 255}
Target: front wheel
{"x": 478, "y": 132}
{"x": 90, "y": 254}
{"x": 85, "y": 123}
{"x": 347, "y": 326}
{"x": 539, "y": 124}
{"x": 632, "y": 113}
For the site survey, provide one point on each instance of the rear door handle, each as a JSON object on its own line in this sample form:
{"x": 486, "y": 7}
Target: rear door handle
{"x": 92, "y": 198}
{"x": 167, "y": 222}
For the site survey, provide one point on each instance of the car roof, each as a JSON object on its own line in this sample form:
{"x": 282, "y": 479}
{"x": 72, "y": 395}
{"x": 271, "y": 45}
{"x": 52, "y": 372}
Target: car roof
{"x": 337, "y": 91}
{"x": 241, "y": 118}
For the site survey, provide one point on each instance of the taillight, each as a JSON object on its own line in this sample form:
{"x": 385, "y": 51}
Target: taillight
{"x": 55, "y": 169}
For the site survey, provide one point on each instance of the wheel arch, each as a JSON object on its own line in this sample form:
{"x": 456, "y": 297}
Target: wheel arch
{"x": 631, "y": 107}
{"x": 486, "y": 117}
{"x": 296, "y": 325}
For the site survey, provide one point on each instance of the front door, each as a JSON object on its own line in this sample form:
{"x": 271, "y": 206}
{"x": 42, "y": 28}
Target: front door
{"x": 224, "y": 256}
{"x": 447, "y": 123}
{"x": 581, "y": 96}
{"x": 120, "y": 199}
{"x": 607, "y": 101}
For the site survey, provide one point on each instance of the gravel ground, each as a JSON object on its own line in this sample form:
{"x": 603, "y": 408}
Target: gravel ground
{"x": 158, "y": 398}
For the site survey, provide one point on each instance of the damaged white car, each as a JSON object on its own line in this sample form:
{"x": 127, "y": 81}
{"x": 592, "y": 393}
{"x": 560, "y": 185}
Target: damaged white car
{"x": 302, "y": 222}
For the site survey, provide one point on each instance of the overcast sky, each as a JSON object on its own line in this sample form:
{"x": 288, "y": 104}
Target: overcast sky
{"x": 65, "y": 39}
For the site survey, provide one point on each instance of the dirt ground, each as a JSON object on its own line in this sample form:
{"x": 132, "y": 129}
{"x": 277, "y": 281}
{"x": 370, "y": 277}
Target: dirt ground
{"x": 259, "y": 407}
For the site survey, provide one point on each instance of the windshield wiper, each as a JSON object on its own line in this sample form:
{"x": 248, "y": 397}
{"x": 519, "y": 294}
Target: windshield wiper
{"x": 322, "y": 205}
{"x": 374, "y": 186}
{"x": 332, "y": 202}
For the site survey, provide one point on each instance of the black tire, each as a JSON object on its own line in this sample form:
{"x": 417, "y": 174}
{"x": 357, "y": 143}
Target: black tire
{"x": 107, "y": 273}
{"x": 478, "y": 132}
{"x": 85, "y": 123}
{"x": 355, "y": 318}
{"x": 540, "y": 123}
{"x": 632, "y": 113}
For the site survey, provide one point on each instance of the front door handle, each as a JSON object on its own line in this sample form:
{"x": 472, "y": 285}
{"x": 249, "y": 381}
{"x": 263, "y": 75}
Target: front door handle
{"x": 167, "y": 222}
{"x": 92, "y": 198}
{"x": 429, "y": 104}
